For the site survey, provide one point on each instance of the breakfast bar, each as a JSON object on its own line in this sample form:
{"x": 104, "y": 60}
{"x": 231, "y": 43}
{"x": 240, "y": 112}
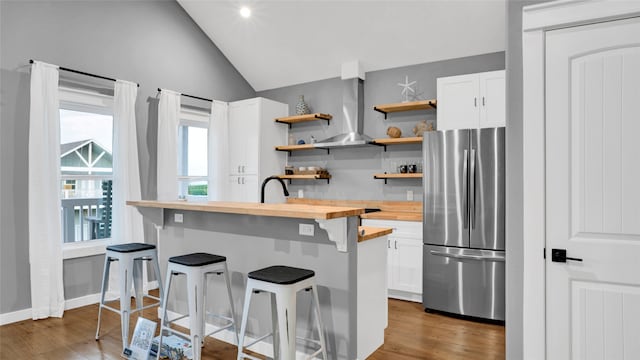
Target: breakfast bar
{"x": 349, "y": 262}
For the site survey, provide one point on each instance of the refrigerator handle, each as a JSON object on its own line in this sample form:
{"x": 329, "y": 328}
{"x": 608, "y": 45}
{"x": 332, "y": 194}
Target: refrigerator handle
{"x": 472, "y": 189}
{"x": 468, "y": 257}
{"x": 465, "y": 188}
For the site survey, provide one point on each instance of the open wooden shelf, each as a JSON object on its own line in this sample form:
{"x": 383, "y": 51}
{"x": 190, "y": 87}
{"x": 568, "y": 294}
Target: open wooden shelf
{"x": 406, "y": 106}
{"x": 290, "y": 148}
{"x": 386, "y": 176}
{"x": 306, "y": 177}
{"x": 303, "y": 118}
{"x": 396, "y": 141}
{"x": 295, "y": 147}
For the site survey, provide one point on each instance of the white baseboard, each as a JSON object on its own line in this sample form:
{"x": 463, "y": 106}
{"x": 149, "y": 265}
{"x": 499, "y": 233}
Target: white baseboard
{"x": 25, "y": 314}
{"x": 8, "y": 318}
{"x": 404, "y": 295}
{"x": 81, "y": 301}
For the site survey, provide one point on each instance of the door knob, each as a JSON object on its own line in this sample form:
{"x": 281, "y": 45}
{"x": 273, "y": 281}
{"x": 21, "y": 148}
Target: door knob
{"x": 560, "y": 255}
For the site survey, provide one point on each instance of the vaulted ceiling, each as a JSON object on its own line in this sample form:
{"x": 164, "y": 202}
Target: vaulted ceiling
{"x": 289, "y": 42}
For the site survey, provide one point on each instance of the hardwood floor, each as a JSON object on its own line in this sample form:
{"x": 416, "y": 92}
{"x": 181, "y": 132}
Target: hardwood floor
{"x": 412, "y": 334}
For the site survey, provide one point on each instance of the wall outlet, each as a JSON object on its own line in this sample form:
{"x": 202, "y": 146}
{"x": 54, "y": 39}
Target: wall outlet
{"x": 306, "y": 229}
{"x": 409, "y": 195}
{"x": 179, "y": 218}
{"x": 300, "y": 193}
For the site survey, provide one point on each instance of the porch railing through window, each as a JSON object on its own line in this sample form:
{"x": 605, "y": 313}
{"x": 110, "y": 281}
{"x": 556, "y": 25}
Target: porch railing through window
{"x": 86, "y": 209}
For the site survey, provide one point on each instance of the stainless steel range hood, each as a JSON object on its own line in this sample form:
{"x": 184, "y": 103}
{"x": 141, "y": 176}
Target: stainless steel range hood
{"x": 353, "y": 118}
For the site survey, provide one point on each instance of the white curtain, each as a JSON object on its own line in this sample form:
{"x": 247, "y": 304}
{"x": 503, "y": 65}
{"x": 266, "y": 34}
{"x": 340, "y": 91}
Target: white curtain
{"x": 218, "y": 151}
{"x": 127, "y": 221}
{"x": 45, "y": 229}
{"x": 168, "y": 121}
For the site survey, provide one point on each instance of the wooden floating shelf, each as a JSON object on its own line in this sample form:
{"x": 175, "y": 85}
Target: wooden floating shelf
{"x": 406, "y": 106}
{"x": 290, "y": 148}
{"x": 306, "y": 177}
{"x": 303, "y": 118}
{"x": 386, "y": 176}
{"x": 397, "y": 141}
{"x": 295, "y": 147}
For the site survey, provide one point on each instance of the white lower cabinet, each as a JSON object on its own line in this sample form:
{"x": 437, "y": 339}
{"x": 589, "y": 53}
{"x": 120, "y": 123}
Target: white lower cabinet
{"x": 404, "y": 258}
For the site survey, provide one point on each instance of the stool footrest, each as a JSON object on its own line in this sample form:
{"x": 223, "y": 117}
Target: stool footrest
{"x": 258, "y": 340}
{"x": 145, "y": 307}
{"x": 219, "y": 329}
{"x": 178, "y": 318}
{"x": 176, "y": 332}
{"x": 110, "y": 308}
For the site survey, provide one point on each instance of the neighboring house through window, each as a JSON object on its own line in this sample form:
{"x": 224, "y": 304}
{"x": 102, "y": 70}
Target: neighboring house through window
{"x": 86, "y": 142}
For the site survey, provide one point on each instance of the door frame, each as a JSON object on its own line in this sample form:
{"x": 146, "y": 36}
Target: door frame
{"x": 536, "y": 21}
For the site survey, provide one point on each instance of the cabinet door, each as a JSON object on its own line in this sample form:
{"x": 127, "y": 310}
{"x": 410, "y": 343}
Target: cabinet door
{"x": 407, "y": 270}
{"x": 243, "y": 137}
{"x": 492, "y": 99}
{"x": 458, "y": 103}
{"x": 235, "y": 189}
{"x": 250, "y": 188}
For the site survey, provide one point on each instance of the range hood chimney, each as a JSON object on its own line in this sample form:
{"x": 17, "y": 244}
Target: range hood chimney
{"x": 352, "y": 110}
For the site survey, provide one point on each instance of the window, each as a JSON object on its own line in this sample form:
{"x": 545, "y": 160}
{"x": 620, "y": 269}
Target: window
{"x": 192, "y": 155}
{"x": 86, "y": 143}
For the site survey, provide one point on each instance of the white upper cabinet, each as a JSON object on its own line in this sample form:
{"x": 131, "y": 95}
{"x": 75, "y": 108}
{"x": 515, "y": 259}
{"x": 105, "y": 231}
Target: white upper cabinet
{"x": 252, "y": 136}
{"x": 471, "y": 101}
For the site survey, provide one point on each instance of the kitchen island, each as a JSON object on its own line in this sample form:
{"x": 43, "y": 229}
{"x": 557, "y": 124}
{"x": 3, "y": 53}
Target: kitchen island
{"x": 350, "y": 266}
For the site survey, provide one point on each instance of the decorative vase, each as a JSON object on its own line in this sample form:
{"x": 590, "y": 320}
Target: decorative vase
{"x": 302, "y": 108}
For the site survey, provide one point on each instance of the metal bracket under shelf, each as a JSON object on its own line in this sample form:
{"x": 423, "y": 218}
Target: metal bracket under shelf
{"x": 381, "y": 111}
{"x": 375, "y": 143}
{"x": 290, "y": 151}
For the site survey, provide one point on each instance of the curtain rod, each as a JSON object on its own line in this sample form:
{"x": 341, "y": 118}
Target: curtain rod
{"x": 83, "y": 73}
{"x": 191, "y": 96}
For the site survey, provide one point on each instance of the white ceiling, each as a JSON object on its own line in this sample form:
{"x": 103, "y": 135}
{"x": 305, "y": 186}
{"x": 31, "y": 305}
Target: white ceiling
{"x": 291, "y": 42}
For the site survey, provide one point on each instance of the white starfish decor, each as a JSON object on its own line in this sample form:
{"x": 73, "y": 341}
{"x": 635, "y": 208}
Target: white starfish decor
{"x": 406, "y": 88}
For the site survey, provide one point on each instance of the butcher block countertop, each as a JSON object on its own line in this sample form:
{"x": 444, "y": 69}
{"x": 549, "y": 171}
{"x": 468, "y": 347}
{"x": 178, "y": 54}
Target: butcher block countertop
{"x": 288, "y": 210}
{"x": 369, "y": 232}
{"x": 389, "y": 210}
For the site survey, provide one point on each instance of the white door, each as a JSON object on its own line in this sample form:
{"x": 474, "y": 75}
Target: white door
{"x": 458, "y": 102}
{"x": 492, "y": 99}
{"x": 593, "y": 191}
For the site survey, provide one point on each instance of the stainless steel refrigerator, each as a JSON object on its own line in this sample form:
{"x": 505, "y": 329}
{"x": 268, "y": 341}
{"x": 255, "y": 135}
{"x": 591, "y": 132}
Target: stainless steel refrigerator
{"x": 463, "y": 227}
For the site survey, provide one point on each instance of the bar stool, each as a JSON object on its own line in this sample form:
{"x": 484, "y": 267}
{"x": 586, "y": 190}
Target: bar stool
{"x": 283, "y": 282}
{"x": 130, "y": 258}
{"x": 196, "y": 267}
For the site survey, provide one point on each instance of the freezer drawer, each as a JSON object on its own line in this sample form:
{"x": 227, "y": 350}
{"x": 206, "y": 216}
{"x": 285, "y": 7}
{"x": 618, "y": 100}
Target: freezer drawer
{"x": 464, "y": 281}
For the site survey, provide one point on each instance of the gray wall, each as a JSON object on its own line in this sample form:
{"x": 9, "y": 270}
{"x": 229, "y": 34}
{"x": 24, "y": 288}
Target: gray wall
{"x": 154, "y": 43}
{"x": 353, "y": 168}
{"x": 514, "y": 188}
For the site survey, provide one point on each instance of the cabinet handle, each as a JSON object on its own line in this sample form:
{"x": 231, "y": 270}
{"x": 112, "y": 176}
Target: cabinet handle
{"x": 243, "y": 181}
{"x": 243, "y": 169}
{"x": 483, "y": 101}
{"x": 395, "y": 244}
{"x": 238, "y": 169}
{"x": 475, "y": 102}
{"x": 238, "y": 180}
{"x": 388, "y": 244}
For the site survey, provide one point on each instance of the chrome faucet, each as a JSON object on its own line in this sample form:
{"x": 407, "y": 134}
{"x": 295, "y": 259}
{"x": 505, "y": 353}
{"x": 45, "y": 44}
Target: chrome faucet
{"x": 264, "y": 183}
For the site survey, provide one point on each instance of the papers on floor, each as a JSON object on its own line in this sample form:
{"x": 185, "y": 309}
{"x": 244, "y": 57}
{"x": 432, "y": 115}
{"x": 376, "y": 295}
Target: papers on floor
{"x": 173, "y": 348}
{"x": 141, "y": 341}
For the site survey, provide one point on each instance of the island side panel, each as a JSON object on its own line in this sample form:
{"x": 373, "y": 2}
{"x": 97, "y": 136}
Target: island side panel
{"x": 253, "y": 242}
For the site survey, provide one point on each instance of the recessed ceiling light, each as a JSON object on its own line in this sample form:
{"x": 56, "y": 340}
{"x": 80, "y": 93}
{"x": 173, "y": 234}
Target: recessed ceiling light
{"x": 245, "y": 12}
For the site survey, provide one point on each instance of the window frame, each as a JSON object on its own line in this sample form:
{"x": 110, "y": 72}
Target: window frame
{"x": 93, "y": 102}
{"x": 190, "y": 117}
